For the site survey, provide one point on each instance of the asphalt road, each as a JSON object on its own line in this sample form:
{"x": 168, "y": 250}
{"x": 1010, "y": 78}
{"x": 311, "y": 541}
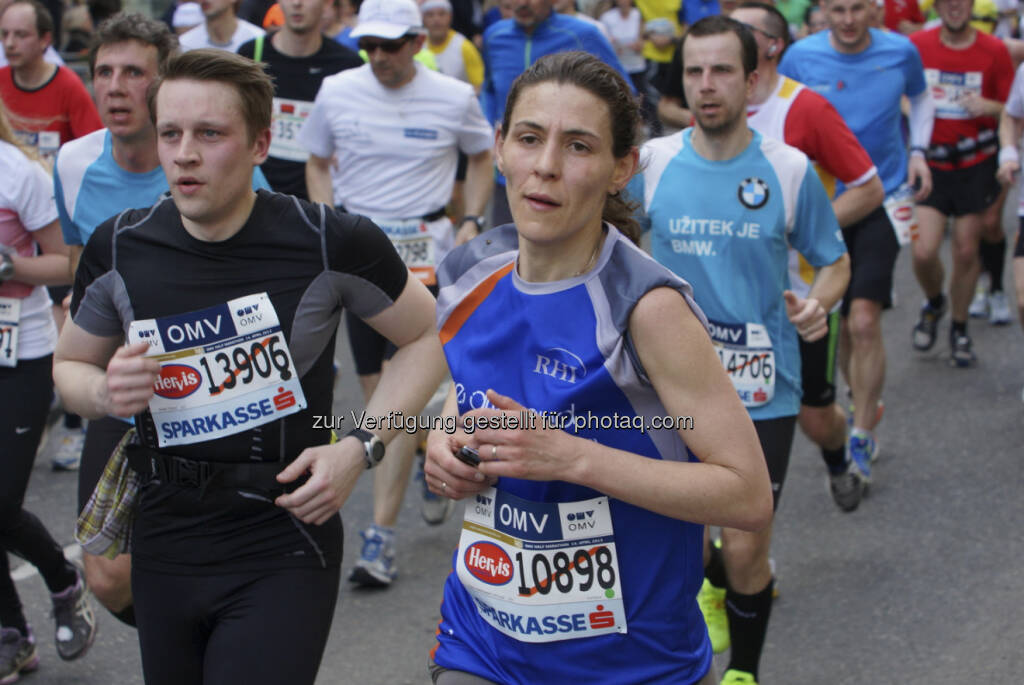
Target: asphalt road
{"x": 922, "y": 585}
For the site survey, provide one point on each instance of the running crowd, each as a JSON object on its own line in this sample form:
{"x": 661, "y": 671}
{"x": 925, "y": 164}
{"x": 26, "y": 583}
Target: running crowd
{"x": 468, "y": 188}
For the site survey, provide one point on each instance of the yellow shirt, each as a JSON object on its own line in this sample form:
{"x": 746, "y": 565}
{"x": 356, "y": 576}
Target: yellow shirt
{"x": 659, "y": 9}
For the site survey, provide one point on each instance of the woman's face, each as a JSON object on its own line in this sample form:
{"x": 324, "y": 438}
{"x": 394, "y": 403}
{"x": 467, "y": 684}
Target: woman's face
{"x": 558, "y": 162}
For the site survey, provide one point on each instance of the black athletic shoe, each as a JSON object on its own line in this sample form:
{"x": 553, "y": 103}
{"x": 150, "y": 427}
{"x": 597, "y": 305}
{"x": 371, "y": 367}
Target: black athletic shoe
{"x": 926, "y": 330}
{"x": 76, "y": 624}
{"x": 960, "y": 353}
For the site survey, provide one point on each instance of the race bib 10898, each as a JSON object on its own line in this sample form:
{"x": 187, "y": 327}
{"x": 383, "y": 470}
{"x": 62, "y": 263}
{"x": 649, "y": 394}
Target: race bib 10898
{"x": 542, "y": 571}
{"x": 224, "y": 370}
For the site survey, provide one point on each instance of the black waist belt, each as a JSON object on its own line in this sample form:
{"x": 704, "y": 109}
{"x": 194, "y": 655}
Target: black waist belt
{"x": 433, "y": 216}
{"x": 193, "y": 473}
{"x": 964, "y": 148}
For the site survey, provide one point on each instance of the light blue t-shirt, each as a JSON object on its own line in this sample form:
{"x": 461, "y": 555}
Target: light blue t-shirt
{"x": 90, "y": 187}
{"x": 726, "y": 227}
{"x": 865, "y": 88}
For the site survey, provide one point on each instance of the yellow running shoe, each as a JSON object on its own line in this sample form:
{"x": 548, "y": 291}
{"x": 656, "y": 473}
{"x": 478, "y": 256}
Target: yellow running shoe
{"x": 711, "y": 600}
{"x": 734, "y": 677}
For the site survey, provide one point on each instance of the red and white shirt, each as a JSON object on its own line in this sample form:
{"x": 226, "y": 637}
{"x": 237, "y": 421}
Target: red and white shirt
{"x": 800, "y": 117}
{"x": 46, "y": 117}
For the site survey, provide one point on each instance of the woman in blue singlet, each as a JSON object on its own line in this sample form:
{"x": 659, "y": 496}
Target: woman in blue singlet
{"x": 607, "y": 431}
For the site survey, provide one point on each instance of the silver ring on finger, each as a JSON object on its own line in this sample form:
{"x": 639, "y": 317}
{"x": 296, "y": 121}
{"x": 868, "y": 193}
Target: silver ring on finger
{"x": 444, "y": 486}
{"x": 494, "y": 451}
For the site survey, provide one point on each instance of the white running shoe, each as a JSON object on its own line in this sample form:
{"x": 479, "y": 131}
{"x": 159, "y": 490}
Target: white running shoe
{"x": 979, "y": 303}
{"x": 998, "y": 309}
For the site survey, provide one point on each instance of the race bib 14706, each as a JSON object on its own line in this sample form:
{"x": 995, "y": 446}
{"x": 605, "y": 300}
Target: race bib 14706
{"x": 542, "y": 571}
{"x": 745, "y": 351}
{"x": 224, "y": 370}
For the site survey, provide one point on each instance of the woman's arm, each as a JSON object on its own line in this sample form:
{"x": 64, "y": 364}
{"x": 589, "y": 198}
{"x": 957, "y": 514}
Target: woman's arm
{"x": 48, "y": 268}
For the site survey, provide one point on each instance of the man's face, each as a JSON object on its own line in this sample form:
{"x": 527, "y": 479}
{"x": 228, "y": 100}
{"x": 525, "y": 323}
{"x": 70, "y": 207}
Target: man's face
{"x": 216, "y": 8}
{"x": 437, "y": 22}
{"x": 955, "y": 14}
{"x": 23, "y": 45}
{"x": 302, "y": 16}
{"x": 392, "y": 60}
{"x": 756, "y": 20}
{"x": 713, "y": 80}
{"x": 849, "y": 21}
{"x": 205, "y": 149}
{"x": 816, "y": 21}
{"x": 121, "y": 77}
{"x": 529, "y": 13}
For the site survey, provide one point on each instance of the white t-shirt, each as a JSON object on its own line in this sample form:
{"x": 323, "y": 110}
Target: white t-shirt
{"x": 396, "y": 148}
{"x": 26, "y": 205}
{"x": 1015, "y": 108}
{"x": 624, "y": 32}
{"x": 197, "y": 37}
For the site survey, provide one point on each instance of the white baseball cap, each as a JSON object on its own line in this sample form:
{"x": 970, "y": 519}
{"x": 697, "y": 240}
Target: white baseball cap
{"x": 388, "y": 19}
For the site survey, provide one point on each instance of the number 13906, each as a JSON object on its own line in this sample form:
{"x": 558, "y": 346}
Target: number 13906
{"x": 245, "y": 363}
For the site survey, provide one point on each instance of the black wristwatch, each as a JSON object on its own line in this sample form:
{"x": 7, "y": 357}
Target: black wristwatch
{"x": 6, "y": 266}
{"x": 478, "y": 220}
{"x": 373, "y": 448}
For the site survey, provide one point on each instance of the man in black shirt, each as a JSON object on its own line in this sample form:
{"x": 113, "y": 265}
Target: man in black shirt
{"x": 298, "y": 58}
{"x": 230, "y": 301}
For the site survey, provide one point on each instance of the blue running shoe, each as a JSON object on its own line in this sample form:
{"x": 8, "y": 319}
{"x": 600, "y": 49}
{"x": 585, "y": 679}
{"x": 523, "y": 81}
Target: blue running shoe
{"x": 862, "y": 452}
{"x": 376, "y": 565}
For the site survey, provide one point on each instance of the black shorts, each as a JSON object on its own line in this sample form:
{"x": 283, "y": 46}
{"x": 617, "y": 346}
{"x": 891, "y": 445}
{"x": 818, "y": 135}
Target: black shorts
{"x": 970, "y": 190}
{"x": 873, "y": 249}
{"x": 776, "y": 437}
{"x": 818, "y": 366}
{"x": 460, "y": 169}
{"x": 58, "y": 293}
{"x": 1018, "y": 251}
{"x": 369, "y": 348}
{"x": 101, "y": 437}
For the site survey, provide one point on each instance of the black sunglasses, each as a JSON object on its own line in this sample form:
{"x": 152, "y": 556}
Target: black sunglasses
{"x": 751, "y": 27}
{"x": 388, "y": 46}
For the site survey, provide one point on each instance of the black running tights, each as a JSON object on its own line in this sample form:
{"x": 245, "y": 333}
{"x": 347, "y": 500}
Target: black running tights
{"x": 25, "y": 394}
{"x": 265, "y": 627}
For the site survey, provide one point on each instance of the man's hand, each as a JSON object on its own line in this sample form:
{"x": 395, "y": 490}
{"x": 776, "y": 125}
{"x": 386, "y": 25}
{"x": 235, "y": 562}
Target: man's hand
{"x": 334, "y": 470}
{"x": 976, "y": 105}
{"x": 660, "y": 41}
{"x": 920, "y": 176}
{"x": 808, "y": 316}
{"x": 129, "y": 380}
{"x": 466, "y": 232}
{"x": 1007, "y": 173}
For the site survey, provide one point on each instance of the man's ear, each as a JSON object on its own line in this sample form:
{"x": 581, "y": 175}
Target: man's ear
{"x": 498, "y": 140}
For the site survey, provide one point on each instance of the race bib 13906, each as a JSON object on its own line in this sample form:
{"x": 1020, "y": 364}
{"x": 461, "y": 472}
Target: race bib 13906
{"x": 224, "y": 370}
